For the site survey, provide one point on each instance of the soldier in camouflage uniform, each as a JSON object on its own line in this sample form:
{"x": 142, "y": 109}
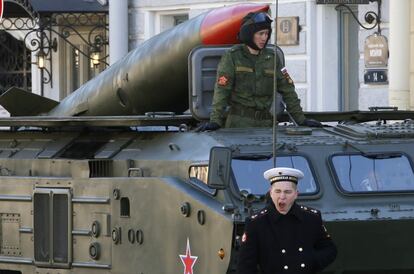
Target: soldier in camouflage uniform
{"x": 243, "y": 93}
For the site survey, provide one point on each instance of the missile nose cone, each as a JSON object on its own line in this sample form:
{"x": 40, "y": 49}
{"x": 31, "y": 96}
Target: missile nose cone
{"x": 221, "y": 26}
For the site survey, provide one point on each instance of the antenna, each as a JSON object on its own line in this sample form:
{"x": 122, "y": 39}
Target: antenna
{"x": 274, "y": 128}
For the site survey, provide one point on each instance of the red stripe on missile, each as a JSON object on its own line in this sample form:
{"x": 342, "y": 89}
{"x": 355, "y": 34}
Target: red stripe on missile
{"x": 221, "y": 26}
{"x": 1, "y": 9}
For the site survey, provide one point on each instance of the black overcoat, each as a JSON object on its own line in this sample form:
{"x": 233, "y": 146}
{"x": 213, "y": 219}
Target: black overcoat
{"x": 293, "y": 243}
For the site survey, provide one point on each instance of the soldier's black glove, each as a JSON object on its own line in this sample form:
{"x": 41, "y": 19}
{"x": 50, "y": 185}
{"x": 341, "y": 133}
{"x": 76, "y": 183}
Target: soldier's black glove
{"x": 311, "y": 123}
{"x": 208, "y": 126}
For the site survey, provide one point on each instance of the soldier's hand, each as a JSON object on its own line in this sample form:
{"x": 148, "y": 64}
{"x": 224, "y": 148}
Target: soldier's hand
{"x": 208, "y": 126}
{"x": 311, "y": 123}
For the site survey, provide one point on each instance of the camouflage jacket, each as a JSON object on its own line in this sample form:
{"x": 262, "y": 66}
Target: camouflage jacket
{"x": 246, "y": 80}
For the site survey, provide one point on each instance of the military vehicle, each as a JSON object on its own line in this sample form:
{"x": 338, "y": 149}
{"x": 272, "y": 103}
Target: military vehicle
{"x": 148, "y": 194}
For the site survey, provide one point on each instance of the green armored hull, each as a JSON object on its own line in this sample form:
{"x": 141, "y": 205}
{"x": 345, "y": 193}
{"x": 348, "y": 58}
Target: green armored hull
{"x": 123, "y": 198}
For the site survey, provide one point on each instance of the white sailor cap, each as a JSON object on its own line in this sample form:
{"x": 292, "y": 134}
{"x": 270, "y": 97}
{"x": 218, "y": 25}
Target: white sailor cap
{"x": 278, "y": 174}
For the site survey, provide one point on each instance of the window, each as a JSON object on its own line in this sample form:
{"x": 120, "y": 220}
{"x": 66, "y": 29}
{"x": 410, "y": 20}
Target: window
{"x": 78, "y": 58}
{"x": 198, "y": 175}
{"x": 168, "y": 21}
{"x": 248, "y": 174}
{"x": 75, "y": 64}
{"x": 384, "y": 172}
{"x": 15, "y": 66}
{"x": 178, "y": 19}
{"x": 76, "y": 68}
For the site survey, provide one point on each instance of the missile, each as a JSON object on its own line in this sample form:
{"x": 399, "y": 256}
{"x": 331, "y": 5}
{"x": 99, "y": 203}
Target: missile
{"x": 152, "y": 77}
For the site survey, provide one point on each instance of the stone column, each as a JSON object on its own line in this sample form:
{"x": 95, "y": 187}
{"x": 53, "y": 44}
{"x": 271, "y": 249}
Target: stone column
{"x": 118, "y": 30}
{"x": 399, "y": 63}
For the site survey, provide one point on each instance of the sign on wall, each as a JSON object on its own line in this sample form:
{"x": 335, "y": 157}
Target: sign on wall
{"x": 376, "y": 59}
{"x": 376, "y": 76}
{"x": 376, "y": 51}
{"x": 288, "y": 31}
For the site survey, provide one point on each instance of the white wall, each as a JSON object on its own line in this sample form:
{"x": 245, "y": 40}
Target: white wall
{"x": 325, "y": 56}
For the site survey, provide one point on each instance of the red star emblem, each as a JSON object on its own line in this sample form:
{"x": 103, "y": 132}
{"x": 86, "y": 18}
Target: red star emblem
{"x": 188, "y": 260}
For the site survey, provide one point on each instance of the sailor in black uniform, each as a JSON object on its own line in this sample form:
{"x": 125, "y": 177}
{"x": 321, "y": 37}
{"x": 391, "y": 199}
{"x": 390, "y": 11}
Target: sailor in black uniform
{"x": 285, "y": 237}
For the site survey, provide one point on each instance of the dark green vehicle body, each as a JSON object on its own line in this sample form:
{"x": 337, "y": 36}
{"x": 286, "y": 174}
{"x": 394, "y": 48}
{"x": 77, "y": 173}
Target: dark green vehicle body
{"x": 124, "y": 198}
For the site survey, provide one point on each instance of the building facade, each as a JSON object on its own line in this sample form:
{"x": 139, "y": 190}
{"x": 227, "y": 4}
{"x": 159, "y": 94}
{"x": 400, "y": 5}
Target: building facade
{"x": 327, "y": 61}
{"x": 51, "y": 47}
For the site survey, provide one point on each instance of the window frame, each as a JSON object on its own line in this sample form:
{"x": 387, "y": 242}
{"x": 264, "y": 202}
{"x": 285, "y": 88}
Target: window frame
{"x": 198, "y": 183}
{"x": 66, "y": 66}
{"x": 302, "y": 196}
{"x": 158, "y": 16}
{"x": 344, "y": 192}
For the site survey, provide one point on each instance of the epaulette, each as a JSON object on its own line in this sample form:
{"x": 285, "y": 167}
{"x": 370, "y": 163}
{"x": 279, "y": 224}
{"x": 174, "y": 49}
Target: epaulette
{"x": 269, "y": 51}
{"x": 310, "y": 210}
{"x": 260, "y": 214}
{"x": 236, "y": 47}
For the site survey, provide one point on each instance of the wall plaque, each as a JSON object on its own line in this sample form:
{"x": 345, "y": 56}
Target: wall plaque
{"x": 376, "y": 76}
{"x": 376, "y": 51}
{"x": 288, "y": 31}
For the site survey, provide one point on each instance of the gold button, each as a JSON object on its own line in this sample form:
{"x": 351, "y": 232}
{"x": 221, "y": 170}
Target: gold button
{"x": 283, "y": 251}
{"x": 302, "y": 265}
{"x": 300, "y": 249}
{"x": 286, "y": 267}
